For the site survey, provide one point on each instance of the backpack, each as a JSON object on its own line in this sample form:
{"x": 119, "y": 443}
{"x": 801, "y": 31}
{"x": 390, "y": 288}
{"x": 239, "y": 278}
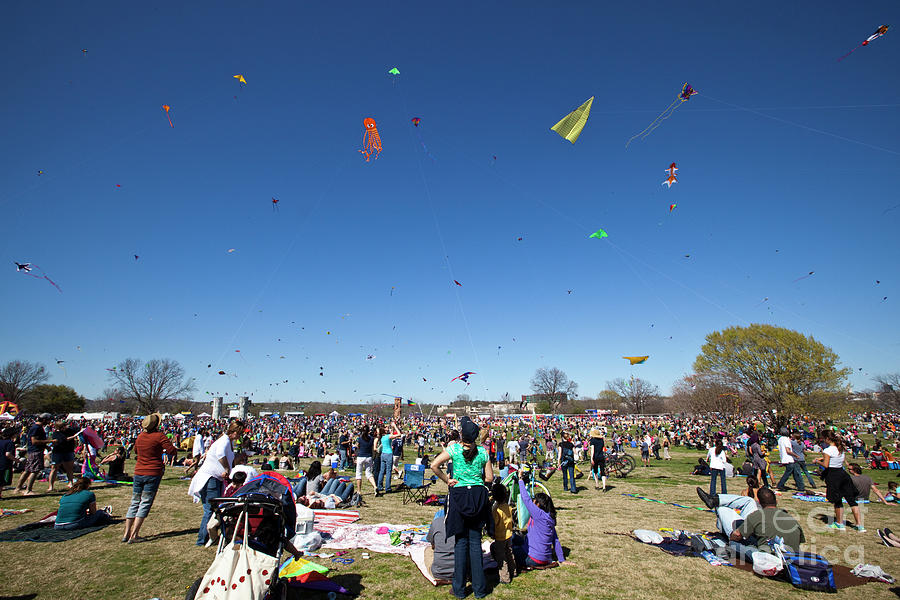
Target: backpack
{"x": 356, "y": 500}
{"x": 568, "y": 457}
{"x": 808, "y": 571}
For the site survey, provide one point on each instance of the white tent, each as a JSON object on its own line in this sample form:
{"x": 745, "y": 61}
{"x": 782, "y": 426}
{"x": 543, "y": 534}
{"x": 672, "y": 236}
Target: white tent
{"x": 203, "y": 414}
{"x": 6, "y": 417}
{"x": 334, "y": 413}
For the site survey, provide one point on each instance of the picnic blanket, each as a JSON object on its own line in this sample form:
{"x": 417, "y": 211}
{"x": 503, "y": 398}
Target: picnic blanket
{"x": 43, "y": 531}
{"x": 367, "y": 536}
{"x": 326, "y": 521}
{"x": 818, "y": 498}
{"x": 6, "y": 512}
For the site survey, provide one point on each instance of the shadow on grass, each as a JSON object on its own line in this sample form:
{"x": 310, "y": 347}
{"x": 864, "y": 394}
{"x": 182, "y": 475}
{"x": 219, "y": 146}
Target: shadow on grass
{"x": 351, "y": 581}
{"x": 22, "y": 597}
{"x": 170, "y": 534}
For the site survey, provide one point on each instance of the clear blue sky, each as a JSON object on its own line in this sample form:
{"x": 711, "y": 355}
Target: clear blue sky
{"x": 787, "y": 159}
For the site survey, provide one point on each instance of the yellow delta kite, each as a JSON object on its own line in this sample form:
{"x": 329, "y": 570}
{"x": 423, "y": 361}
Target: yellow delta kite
{"x": 636, "y": 360}
{"x": 570, "y": 126}
{"x": 241, "y": 79}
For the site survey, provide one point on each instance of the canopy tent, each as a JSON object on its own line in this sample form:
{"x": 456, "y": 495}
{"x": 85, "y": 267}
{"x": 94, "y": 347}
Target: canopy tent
{"x": 6, "y": 417}
{"x": 334, "y": 413}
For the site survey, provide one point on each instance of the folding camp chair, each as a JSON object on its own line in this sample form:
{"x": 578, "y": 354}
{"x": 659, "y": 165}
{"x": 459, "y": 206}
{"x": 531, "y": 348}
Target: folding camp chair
{"x": 414, "y": 487}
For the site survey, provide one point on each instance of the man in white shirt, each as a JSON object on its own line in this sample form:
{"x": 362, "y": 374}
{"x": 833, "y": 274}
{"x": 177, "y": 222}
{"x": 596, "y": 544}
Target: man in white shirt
{"x": 787, "y": 458}
{"x": 512, "y": 450}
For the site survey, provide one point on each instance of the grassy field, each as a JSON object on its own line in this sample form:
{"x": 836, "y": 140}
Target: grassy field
{"x": 606, "y": 565}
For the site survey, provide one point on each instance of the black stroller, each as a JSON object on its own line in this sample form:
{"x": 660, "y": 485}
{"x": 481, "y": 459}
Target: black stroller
{"x": 266, "y": 520}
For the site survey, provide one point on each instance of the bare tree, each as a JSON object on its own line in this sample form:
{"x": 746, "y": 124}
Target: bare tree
{"x": 887, "y": 393}
{"x": 153, "y": 383}
{"x": 18, "y": 379}
{"x": 554, "y": 386}
{"x": 636, "y": 393}
{"x": 706, "y": 394}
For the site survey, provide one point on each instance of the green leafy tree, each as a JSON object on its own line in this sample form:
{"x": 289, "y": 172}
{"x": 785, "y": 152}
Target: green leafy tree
{"x": 780, "y": 369}
{"x": 54, "y": 399}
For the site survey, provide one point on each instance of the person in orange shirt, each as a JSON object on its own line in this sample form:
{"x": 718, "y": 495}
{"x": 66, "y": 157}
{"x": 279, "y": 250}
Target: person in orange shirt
{"x": 148, "y": 472}
{"x": 501, "y": 548}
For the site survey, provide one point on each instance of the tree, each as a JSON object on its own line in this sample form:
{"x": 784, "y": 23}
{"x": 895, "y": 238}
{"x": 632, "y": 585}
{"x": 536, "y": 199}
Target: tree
{"x": 609, "y": 400}
{"x": 781, "y": 369}
{"x": 887, "y": 393}
{"x": 461, "y": 400}
{"x": 554, "y": 386}
{"x": 706, "y": 394}
{"x": 151, "y": 384}
{"x": 635, "y": 393}
{"x": 55, "y": 399}
{"x": 18, "y": 379}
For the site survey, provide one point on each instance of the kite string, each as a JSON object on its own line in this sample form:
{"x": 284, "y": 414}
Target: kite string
{"x": 277, "y": 268}
{"x": 446, "y": 254}
{"x": 806, "y": 127}
{"x": 660, "y": 118}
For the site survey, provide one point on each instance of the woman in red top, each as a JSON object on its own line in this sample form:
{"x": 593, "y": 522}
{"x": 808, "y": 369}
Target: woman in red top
{"x": 148, "y": 472}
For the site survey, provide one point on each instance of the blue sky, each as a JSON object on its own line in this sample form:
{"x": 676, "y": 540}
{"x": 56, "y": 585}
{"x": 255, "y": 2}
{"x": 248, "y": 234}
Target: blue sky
{"x": 787, "y": 164}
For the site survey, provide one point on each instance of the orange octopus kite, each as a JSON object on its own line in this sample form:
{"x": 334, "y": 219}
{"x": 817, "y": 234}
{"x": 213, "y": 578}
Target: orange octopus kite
{"x": 371, "y": 139}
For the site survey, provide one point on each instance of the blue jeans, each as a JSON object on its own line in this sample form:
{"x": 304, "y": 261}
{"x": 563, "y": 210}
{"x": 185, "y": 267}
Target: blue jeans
{"x": 212, "y": 489}
{"x": 299, "y": 487}
{"x": 801, "y": 466}
{"x": 466, "y": 559}
{"x": 98, "y": 518}
{"x": 338, "y": 488}
{"x": 344, "y": 463}
{"x": 384, "y": 475}
{"x": 143, "y": 491}
{"x": 569, "y": 475}
{"x": 720, "y": 473}
{"x": 792, "y": 468}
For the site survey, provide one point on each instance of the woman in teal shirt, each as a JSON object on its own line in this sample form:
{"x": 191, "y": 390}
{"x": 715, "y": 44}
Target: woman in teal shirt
{"x": 78, "y": 508}
{"x": 468, "y": 506}
{"x": 387, "y": 459}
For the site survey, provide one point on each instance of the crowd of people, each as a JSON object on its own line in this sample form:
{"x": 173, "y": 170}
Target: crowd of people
{"x": 467, "y": 456}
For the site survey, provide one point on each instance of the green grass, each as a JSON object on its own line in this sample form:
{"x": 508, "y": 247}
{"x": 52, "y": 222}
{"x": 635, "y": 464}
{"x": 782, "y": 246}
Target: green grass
{"x": 606, "y": 565}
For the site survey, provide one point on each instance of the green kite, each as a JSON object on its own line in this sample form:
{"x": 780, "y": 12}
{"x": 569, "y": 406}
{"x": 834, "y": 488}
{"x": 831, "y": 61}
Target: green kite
{"x": 571, "y": 125}
{"x": 394, "y": 71}
{"x": 598, "y": 234}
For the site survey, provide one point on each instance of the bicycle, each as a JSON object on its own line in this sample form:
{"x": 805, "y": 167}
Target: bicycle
{"x": 511, "y": 482}
{"x": 620, "y": 464}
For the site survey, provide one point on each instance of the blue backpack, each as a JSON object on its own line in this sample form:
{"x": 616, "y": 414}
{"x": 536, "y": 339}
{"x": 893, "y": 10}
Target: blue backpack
{"x": 809, "y": 571}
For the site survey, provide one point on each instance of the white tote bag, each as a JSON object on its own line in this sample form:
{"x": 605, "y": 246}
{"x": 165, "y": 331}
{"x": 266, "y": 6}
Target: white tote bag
{"x": 238, "y": 572}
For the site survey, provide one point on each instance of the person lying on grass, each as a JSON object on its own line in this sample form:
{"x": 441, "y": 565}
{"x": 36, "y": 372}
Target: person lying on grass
{"x": 753, "y": 529}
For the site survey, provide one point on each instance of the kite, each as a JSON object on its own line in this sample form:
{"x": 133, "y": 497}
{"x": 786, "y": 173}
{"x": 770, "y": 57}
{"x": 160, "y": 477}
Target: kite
{"x": 221, "y": 372}
{"x": 519, "y": 239}
{"x": 394, "y": 71}
{"x": 274, "y": 204}
{"x": 570, "y": 126}
{"x": 878, "y": 33}
{"x": 598, "y": 234}
{"x": 241, "y": 79}
{"x": 83, "y": 51}
{"x": 59, "y": 364}
{"x": 457, "y": 283}
{"x": 463, "y": 377}
{"x": 804, "y": 277}
{"x": 410, "y": 402}
{"x": 370, "y": 357}
{"x": 686, "y": 92}
{"x": 415, "y": 121}
{"x": 166, "y": 108}
{"x": 636, "y": 360}
{"x": 672, "y": 207}
{"x": 27, "y": 268}
{"x": 671, "y": 178}
{"x": 371, "y": 139}
{"x": 39, "y": 173}
{"x": 230, "y": 250}
{"x": 136, "y": 257}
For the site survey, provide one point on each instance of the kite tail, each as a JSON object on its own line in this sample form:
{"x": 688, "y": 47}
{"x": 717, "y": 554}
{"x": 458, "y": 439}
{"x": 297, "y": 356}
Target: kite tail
{"x": 655, "y": 123}
{"x": 849, "y": 53}
{"x": 53, "y": 284}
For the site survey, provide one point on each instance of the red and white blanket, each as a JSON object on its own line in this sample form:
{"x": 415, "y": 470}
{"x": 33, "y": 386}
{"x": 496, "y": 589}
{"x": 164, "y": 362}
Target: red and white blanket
{"x": 326, "y": 521}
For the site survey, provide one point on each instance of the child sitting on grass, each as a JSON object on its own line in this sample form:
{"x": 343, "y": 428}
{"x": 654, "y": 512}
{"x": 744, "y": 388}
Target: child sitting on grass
{"x": 501, "y": 548}
{"x": 541, "y": 543}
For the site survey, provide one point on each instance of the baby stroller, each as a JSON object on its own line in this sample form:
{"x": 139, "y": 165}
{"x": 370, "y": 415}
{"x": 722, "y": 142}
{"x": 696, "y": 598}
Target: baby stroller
{"x": 253, "y": 526}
